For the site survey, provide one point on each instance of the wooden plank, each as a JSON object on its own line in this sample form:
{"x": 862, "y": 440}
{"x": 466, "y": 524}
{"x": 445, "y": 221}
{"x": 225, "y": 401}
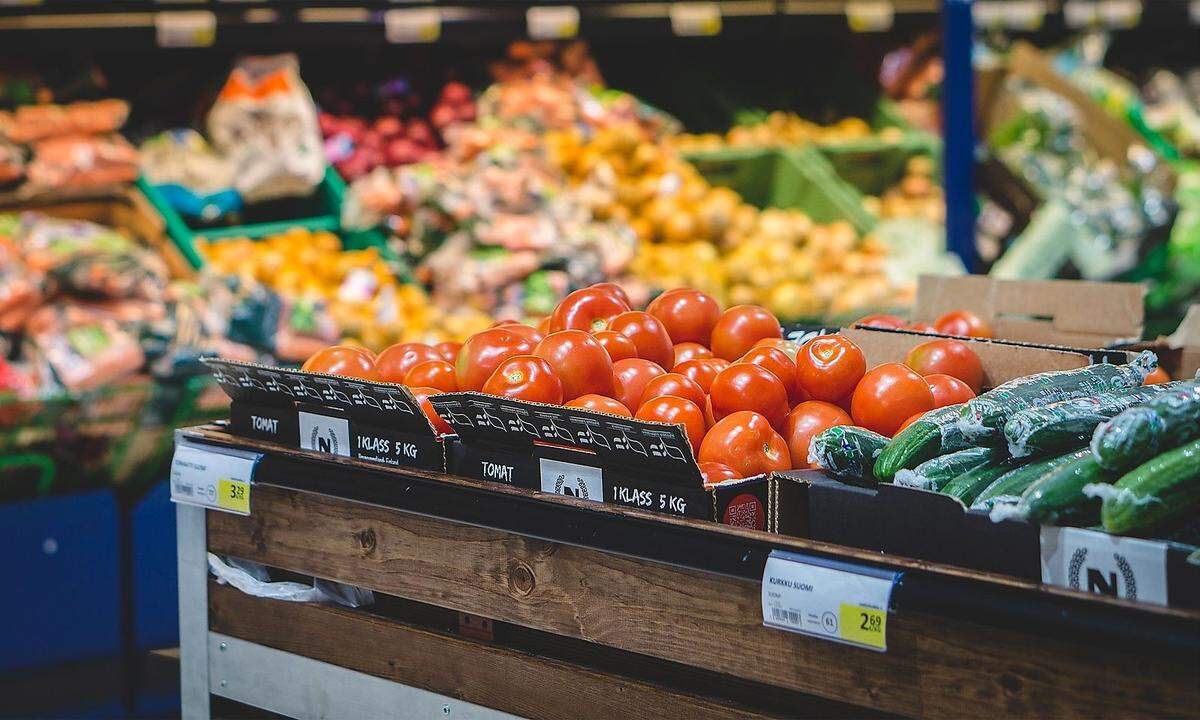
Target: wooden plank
{"x": 479, "y": 673}
{"x": 934, "y": 667}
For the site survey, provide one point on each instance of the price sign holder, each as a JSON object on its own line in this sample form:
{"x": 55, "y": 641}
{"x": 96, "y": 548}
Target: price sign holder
{"x": 870, "y": 15}
{"x": 552, "y": 22}
{"x": 413, "y": 25}
{"x": 213, "y": 477}
{"x": 185, "y": 28}
{"x": 828, "y": 599}
{"x": 695, "y": 19}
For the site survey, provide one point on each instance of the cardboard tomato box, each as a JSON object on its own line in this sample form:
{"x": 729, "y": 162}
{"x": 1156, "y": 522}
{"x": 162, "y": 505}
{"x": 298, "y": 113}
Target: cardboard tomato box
{"x": 1179, "y": 352}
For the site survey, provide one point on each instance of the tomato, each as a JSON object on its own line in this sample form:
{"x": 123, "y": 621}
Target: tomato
{"x": 805, "y": 421}
{"x": 947, "y": 357}
{"x": 743, "y": 386}
{"x": 579, "y": 362}
{"x": 1157, "y": 376}
{"x": 789, "y": 347}
{"x": 601, "y": 403}
{"x": 781, "y": 366}
{"x": 648, "y": 336}
{"x": 912, "y": 419}
{"x": 879, "y": 320}
{"x": 948, "y": 390}
{"x": 745, "y": 443}
{"x": 615, "y": 290}
{"x": 616, "y": 345}
{"x": 630, "y": 377}
{"x": 740, "y": 327}
{"x": 483, "y": 352}
{"x": 588, "y": 309}
{"x": 678, "y": 411}
{"x": 448, "y": 350}
{"x": 422, "y": 395}
{"x": 396, "y": 360}
{"x": 921, "y": 327}
{"x": 526, "y": 377}
{"x": 432, "y": 373}
{"x": 685, "y": 351}
{"x": 715, "y": 472}
{"x": 346, "y": 361}
{"x": 829, "y": 366}
{"x": 702, "y": 371}
{"x": 887, "y": 396}
{"x": 963, "y": 322}
{"x": 673, "y": 384}
{"x": 534, "y": 335}
{"x": 708, "y": 413}
{"x": 544, "y": 326}
{"x": 688, "y": 315}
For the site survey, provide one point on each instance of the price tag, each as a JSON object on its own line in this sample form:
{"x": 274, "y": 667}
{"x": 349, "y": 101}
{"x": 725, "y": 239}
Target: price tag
{"x": 1025, "y": 15}
{"x": 1194, "y": 11}
{"x": 1120, "y": 14}
{"x": 564, "y": 478}
{"x": 870, "y": 15}
{"x": 218, "y": 478}
{"x": 185, "y": 28}
{"x": 557, "y": 22}
{"x": 1104, "y": 564}
{"x": 827, "y": 599}
{"x": 1081, "y": 14}
{"x": 691, "y": 19}
{"x": 413, "y": 25}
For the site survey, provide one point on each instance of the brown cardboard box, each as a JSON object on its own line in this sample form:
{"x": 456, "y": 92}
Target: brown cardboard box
{"x": 1179, "y": 352}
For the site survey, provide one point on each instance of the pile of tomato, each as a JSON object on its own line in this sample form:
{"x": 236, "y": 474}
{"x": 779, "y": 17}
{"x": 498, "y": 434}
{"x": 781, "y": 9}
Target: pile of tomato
{"x": 749, "y": 401}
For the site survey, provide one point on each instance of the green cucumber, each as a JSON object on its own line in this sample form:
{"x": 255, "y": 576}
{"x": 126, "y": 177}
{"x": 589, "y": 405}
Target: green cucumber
{"x": 1057, "y": 498}
{"x": 1138, "y": 434}
{"x": 935, "y": 473}
{"x": 983, "y": 417}
{"x": 1008, "y": 487}
{"x": 966, "y": 487}
{"x": 1153, "y": 493}
{"x": 936, "y": 433}
{"x": 846, "y": 451}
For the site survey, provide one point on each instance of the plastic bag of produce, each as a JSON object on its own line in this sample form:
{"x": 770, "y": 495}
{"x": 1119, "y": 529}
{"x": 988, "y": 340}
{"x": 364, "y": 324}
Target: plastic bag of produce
{"x": 31, "y": 123}
{"x": 265, "y": 123}
{"x": 85, "y": 354}
{"x": 254, "y": 579}
{"x": 82, "y": 161}
{"x": 89, "y": 259}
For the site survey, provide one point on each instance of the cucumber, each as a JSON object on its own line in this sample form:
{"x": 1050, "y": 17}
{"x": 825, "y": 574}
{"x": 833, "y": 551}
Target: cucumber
{"x": 1057, "y": 498}
{"x": 936, "y": 433}
{"x": 966, "y": 487}
{"x": 1070, "y": 423}
{"x": 1008, "y": 487}
{"x": 846, "y": 451}
{"x": 933, "y": 474}
{"x": 1153, "y": 493}
{"x": 983, "y": 417}
{"x": 1138, "y": 434}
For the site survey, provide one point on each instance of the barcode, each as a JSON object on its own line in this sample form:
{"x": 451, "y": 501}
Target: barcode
{"x": 785, "y": 616}
{"x": 183, "y": 488}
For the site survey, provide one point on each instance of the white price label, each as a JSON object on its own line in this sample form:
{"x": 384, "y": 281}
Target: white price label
{"x": 870, "y": 15}
{"x": 695, "y": 19}
{"x": 1194, "y": 11}
{"x": 552, "y": 22}
{"x": 827, "y": 599}
{"x": 185, "y": 28}
{"x": 413, "y": 25}
{"x": 325, "y": 434}
{"x": 1120, "y": 14}
{"x": 1009, "y": 14}
{"x": 1104, "y": 564}
{"x": 564, "y": 478}
{"x": 218, "y": 478}
{"x": 1081, "y": 13}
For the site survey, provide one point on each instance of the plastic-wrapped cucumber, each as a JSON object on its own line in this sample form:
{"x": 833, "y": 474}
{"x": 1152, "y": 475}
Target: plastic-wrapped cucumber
{"x": 1070, "y": 423}
{"x": 846, "y": 451}
{"x": 1056, "y": 498}
{"x": 1008, "y": 487}
{"x": 935, "y": 473}
{"x": 966, "y": 487}
{"x": 983, "y": 417}
{"x": 1153, "y": 493}
{"x": 936, "y": 433}
{"x": 1140, "y": 433}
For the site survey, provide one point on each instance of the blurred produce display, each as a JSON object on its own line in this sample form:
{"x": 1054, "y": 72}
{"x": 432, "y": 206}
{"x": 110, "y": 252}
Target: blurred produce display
{"x": 784, "y": 129}
{"x": 66, "y": 146}
{"x": 917, "y": 195}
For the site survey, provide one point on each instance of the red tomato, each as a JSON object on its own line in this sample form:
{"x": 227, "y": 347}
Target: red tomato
{"x": 526, "y": 377}
{"x": 947, "y": 357}
{"x": 789, "y": 347}
{"x": 829, "y": 366}
{"x": 630, "y": 377}
{"x": 395, "y": 361}
{"x": 887, "y": 396}
{"x": 432, "y": 373}
{"x": 688, "y": 315}
{"x": 963, "y": 322}
{"x": 448, "y": 350}
{"x": 948, "y": 390}
{"x": 483, "y": 352}
{"x": 685, "y": 351}
{"x": 745, "y": 443}
{"x": 601, "y": 403}
{"x": 702, "y": 371}
{"x": 912, "y": 419}
{"x": 588, "y": 309}
{"x": 805, "y": 422}
{"x": 520, "y": 328}
{"x": 921, "y": 327}
{"x": 781, "y": 366}
{"x": 743, "y": 386}
{"x": 346, "y": 361}
{"x": 544, "y": 326}
{"x": 615, "y": 290}
{"x": 616, "y": 345}
{"x": 879, "y": 320}
{"x": 579, "y": 361}
{"x": 715, "y": 472}
{"x": 422, "y": 395}
{"x": 1157, "y": 376}
{"x": 740, "y": 327}
{"x": 648, "y": 336}
{"x": 678, "y": 411}
{"x": 673, "y": 384}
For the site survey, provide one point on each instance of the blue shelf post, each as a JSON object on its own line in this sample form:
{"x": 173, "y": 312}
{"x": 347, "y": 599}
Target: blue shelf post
{"x": 958, "y": 129}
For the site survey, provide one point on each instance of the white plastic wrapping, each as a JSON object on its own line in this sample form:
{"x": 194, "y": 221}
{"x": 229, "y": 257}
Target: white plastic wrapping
{"x": 253, "y": 579}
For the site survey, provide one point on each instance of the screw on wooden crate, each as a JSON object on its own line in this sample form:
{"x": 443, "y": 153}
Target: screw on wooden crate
{"x": 476, "y": 627}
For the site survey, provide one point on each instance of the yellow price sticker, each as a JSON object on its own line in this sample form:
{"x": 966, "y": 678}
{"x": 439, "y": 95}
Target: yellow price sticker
{"x": 863, "y": 625}
{"x": 234, "y": 495}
